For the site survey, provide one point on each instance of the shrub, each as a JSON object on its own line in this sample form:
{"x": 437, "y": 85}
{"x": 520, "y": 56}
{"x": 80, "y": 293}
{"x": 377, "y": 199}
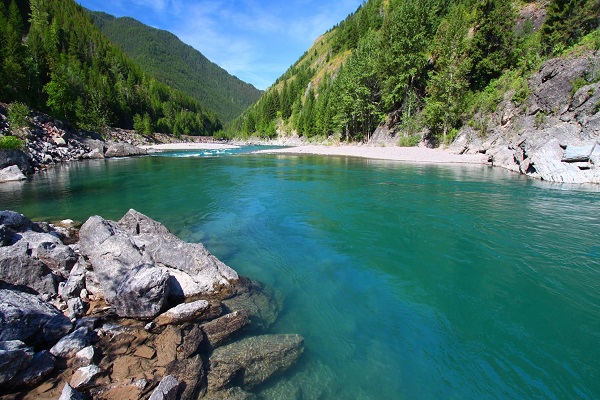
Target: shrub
{"x": 409, "y": 141}
{"x": 18, "y": 115}
{"x": 11, "y": 143}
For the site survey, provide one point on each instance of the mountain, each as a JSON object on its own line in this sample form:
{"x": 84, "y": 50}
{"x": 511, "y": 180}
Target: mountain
{"x": 173, "y": 62}
{"x": 56, "y": 60}
{"x": 420, "y": 69}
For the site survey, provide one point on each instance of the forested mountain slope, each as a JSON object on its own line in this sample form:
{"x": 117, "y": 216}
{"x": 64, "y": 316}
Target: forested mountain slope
{"x": 420, "y": 68}
{"x": 56, "y": 60}
{"x": 165, "y": 57}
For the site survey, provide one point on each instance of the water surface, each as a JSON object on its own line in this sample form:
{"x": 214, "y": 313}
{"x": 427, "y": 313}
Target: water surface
{"x": 407, "y": 281}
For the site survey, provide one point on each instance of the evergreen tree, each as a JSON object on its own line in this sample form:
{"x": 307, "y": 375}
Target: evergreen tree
{"x": 493, "y": 41}
{"x": 567, "y": 21}
{"x": 447, "y": 81}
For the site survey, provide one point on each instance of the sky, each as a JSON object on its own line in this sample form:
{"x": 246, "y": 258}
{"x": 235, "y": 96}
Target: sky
{"x": 257, "y": 41}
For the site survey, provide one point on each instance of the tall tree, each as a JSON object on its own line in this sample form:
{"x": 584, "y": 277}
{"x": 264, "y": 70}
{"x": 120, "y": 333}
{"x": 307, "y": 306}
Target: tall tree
{"x": 493, "y": 41}
{"x": 567, "y": 21}
{"x": 448, "y": 80}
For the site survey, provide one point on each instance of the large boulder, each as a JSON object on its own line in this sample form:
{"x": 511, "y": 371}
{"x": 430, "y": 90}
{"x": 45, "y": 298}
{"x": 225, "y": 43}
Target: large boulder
{"x": 123, "y": 150}
{"x": 15, "y": 221}
{"x": 11, "y": 174}
{"x": 27, "y": 318}
{"x": 15, "y": 157}
{"x": 18, "y": 267}
{"x": 253, "y": 360}
{"x": 14, "y": 357}
{"x": 209, "y": 274}
{"x": 117, "y": 252}
{"x": 42, "y": 364}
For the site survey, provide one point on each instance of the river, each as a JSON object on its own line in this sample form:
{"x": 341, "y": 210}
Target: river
{"x": 407, "y": 281}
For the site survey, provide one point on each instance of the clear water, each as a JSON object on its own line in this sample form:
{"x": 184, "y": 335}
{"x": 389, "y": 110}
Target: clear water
{"x": 407, "y": 281}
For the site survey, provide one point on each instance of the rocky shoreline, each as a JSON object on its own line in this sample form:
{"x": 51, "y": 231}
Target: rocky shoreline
{"x": 126, "y": 310}
{"x": 50, "y": 141}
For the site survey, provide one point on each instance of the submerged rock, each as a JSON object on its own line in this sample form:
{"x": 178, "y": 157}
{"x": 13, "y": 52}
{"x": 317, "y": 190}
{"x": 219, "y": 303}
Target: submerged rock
{"x": 226, "y": 327}
{"x": 253, "y": 360}
{"x": 261, "y": 303}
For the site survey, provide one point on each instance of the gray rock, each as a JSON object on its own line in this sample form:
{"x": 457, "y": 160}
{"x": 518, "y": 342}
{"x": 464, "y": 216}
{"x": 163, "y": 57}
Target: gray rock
{"x": 76, "y": 307}
{"x": 135, "y": 223}
{"x": 117, "y": 256}
{"x": 84, "y": 377}
{"x": 196, "y": 310}
{"x": 16, "y": 157}
{"x": 143, "y": 294}
{"x": 15, "y": 221}
{"x": 11, "y": 174}
{"x": 69, "y": 345}
{"x": 85, "y": 356}
{"x": 166, "y": 389}
{"x": 42, "y": 364}
{"x": 123, "y": 150}
{"x": 14, "y": 357}
{"x": 27, "y": 318}
{"x": 18, "y": 267}
{"x": 57, "y": 256}
{"x": 253, "y": 360}
{"x": 222, "y": 329}
{"x": 75, "y": 283}
{"x": 68, "y": 393}
{"x": 578, "y": 153}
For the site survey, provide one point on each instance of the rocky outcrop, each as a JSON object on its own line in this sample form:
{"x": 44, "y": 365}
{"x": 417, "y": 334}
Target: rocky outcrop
{"x": 123, "y": 150}
{"x": 554, "y": 135}
{"x": 76, "y": 344}
{"x": 138, "y": 253}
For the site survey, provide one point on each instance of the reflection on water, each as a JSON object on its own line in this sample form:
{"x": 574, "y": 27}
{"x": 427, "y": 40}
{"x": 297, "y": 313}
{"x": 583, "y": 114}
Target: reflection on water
{"x": 408, "y": 281}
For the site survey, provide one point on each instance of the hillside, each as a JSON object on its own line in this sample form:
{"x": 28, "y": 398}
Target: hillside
{"x": 54, "y": 59}
{"x": 419, "y": 70}
{"x": 165, "y": 57}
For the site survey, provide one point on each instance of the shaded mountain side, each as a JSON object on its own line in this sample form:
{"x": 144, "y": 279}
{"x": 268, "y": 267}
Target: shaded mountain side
{"x": 164, "y": 56}
{"x": 57, "y": 61}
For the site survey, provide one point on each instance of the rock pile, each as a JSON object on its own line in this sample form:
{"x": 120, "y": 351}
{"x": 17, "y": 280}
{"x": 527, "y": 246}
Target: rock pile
{"x": 126, "y": 310}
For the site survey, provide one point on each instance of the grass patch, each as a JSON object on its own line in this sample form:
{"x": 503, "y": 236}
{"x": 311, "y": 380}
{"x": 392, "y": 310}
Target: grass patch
{"x": 11, "y": 143}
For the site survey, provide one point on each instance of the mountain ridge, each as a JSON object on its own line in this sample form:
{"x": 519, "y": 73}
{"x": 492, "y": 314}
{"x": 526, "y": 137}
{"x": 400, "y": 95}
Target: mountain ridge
{"x": 163, "y": 55}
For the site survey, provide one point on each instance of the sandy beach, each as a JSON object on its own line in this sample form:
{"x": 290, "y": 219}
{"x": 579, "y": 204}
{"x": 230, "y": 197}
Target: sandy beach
{"x": 188, "y": 146}
{"x": 408, "y": 154}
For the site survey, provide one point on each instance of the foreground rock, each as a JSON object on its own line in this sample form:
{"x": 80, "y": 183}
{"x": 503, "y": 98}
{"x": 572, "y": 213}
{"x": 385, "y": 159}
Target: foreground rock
{"x": 91, "y": 338}
{"x": 140, "y": 263}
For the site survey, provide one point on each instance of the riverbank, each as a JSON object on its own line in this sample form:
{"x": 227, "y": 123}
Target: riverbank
{"x": 395, "y": 153}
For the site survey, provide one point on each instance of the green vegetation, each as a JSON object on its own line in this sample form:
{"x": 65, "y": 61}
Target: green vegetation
{"x": 54, "y": 59}
{"x": 176, "y": 64}
{"x": 11, "y": 143}
{"x": 18, "y": 115}
{"x": 426, "y": 66}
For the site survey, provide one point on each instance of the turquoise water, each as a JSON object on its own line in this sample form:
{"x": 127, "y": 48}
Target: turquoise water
{"x": 407, "y": 281}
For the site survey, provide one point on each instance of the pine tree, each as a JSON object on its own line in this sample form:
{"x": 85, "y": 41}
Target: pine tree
{"x": 567, "y": 21}
{"x": 493, "y": 41}
{"x": 447, "y": 81}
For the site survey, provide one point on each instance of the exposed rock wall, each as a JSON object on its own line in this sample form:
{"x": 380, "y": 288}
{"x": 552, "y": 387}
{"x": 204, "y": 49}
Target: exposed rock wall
{"x": 555, "y": 134}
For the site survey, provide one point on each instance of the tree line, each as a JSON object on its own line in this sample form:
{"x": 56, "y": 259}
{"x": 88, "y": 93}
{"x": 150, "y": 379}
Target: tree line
{"x": 54, "y": 59}
{"x": 423, "y": 63}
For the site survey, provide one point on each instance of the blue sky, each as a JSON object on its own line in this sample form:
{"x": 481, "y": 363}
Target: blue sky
{"x": 254, "y": 40}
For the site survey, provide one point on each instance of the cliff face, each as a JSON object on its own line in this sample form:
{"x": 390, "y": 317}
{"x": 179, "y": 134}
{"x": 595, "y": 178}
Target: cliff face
{"x": 555, "y": 134}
